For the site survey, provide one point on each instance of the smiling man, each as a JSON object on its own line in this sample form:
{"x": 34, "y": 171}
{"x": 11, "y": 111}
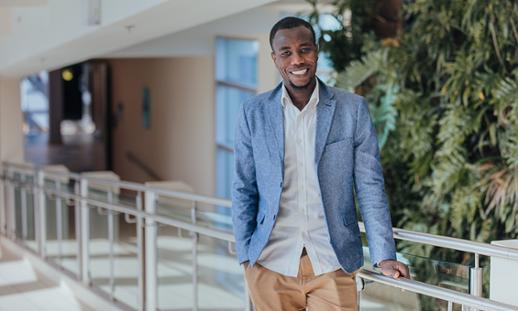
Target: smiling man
{"x": 301, "y": 150}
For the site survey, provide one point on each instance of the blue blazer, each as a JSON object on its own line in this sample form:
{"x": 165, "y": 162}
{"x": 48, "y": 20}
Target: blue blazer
{"x": 346, "y": 157}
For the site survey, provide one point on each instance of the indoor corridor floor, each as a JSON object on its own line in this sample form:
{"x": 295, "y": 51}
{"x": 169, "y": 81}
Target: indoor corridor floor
{"x": 22, "y": 288}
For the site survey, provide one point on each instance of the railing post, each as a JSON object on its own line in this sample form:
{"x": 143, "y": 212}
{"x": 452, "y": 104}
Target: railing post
{"x": 111, "y": 238}
{"x": 141, "y": 298}
{"x": 84, "y": 235}
{"x": 151, "y": 254}
{"x": 475, "y": 279}
{"x": 59, "y": 221}
{"x": 77, "y": 226}
{"x": 40, "y": 217}
{"x": 195, "y": 238}
{"x": 10, "y": 207}
{"x": 23, "y": 206}
{"x": 3, "y": 200}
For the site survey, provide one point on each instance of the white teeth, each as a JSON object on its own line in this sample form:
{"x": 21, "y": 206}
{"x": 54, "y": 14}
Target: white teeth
{"x": 299, "y": 72}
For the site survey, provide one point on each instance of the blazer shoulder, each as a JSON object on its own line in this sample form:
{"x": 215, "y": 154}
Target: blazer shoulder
{"x": 345, "y": 97}
{"x": 348, "y": 100}
{"x": 257, "y": 101}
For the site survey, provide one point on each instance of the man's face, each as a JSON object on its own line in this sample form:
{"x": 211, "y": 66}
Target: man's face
{"x": 295, "y": 56}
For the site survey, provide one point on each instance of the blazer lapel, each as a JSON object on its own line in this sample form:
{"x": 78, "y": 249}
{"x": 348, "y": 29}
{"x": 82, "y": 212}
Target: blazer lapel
{"x": 275, "y": 117}
{"x": 325, "y": 111}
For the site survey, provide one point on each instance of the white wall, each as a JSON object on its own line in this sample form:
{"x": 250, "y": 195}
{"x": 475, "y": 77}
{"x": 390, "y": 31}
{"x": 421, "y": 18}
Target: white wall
{"x": 179, "y": 145}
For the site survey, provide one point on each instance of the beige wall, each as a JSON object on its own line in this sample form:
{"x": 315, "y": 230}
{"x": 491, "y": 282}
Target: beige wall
{"x": 179, "y": 145}
{"x": 11, "y": 135}
{"x": 267, "y": 75}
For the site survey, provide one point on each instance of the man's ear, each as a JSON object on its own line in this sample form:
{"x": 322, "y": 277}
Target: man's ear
{"x": 272, "y": 54}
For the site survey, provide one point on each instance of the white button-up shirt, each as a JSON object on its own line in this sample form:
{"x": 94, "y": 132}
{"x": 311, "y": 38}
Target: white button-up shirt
{"x": 300, "y": 222}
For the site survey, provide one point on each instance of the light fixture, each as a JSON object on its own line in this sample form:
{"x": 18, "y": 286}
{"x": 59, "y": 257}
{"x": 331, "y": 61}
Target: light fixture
{"x": 67, "y": 75}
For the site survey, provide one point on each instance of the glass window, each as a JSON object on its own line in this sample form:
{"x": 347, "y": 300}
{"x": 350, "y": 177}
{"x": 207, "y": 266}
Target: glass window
{"x": 236, "y": 80}
{"x": 236, "y": 61}
{"x": 35, "y": 103}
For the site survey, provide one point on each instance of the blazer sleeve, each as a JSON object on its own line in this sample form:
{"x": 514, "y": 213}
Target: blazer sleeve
{"x": 244, "y": 187}
{"x": 370, "y": 189}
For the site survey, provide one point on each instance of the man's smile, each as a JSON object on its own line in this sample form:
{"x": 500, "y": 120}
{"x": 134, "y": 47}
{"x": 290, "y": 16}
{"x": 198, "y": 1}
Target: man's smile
{"x": 299, "y": 72}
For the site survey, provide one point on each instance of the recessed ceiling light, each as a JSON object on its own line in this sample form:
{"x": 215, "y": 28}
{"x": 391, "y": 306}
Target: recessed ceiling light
{"x": 67, "y": 75}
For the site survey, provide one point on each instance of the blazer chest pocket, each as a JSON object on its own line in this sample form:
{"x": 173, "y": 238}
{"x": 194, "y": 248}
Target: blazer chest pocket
{"x": 339, "y": 145}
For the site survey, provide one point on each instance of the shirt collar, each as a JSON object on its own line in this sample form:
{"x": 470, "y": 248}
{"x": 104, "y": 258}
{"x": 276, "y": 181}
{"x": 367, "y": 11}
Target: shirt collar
{"x": 313, "y": 100}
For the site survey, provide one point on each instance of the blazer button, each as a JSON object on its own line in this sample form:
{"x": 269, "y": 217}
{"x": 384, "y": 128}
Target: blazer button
{"x": 280, "y": 185}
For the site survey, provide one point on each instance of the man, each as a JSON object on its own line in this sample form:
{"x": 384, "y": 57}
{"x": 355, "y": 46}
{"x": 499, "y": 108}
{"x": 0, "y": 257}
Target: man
{"x": 300, "y": 150}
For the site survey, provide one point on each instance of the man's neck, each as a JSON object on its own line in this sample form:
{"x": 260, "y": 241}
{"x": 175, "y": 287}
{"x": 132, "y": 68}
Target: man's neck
{"x": 300, "y": 96}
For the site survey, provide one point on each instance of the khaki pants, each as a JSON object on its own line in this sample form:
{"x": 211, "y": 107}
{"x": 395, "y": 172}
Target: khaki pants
{"x": 271, "y": 291}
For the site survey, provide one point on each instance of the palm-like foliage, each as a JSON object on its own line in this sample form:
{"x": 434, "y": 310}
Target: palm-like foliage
{"x": 444, "y": 96}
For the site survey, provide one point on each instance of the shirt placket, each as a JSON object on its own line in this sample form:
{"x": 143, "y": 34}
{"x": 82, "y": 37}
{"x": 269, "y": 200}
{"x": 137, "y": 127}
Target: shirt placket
{"x": 301, "y": 190}
{"x": 299, "y": 158}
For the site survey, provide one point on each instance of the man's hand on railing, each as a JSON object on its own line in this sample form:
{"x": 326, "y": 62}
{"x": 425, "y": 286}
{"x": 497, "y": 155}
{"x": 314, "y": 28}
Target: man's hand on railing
{"x": 394, "y": 269}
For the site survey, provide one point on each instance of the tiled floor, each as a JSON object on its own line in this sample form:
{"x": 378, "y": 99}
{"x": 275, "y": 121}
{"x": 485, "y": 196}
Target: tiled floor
{"x": 24, "y": 289}
{"x": 79, "y": 153}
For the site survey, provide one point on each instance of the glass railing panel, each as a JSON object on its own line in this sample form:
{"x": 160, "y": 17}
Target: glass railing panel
{"x": 175, "y": 208}
{"x": 126, "y": 265}
{"x": 207, "y": 215}
{"x": 174, "y": 270}
{"x": 102, "y": 249}
{"x": 24, "y": 210}
{"x": 215, "y": 217}
{"x": 61, "y": 245}
{"x": 220, "y": 278}
{"x": 428, "y": 270}
{"x": 221, "y": 281}
{"x": 377, "y": 296}
{"x": 113, "y": 256}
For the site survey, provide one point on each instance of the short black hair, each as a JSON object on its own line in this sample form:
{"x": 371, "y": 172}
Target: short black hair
{"x": 291, "y": 22}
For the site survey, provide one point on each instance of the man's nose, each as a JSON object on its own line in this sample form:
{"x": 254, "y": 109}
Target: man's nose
{"x": 297, "y": 59}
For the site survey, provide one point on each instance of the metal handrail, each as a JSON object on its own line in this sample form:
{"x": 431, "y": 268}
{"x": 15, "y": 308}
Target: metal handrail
{"x": 143, "y": 188}
{"x": 402, "y": 234}
{"x": 409, "y": 285}
{"x": 222, "y": 235}
{"x": 452, "y": 243}
{"x": 437, "y": 292}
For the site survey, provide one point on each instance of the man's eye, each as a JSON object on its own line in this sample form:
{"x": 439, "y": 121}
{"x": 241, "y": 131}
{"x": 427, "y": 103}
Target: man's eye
{"x": 285, "y": 53}
{"x": 305, "y": 50}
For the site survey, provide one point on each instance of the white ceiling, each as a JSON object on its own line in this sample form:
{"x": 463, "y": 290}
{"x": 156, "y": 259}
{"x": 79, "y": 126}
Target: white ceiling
{"x": 21, "y": 3}
{"x": 50, "y": 34}
{"x": 199, "y": 40}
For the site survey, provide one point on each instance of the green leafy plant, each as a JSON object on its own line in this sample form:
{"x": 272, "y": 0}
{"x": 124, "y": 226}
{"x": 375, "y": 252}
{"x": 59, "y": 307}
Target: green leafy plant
{"x": 444, "y": 97}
